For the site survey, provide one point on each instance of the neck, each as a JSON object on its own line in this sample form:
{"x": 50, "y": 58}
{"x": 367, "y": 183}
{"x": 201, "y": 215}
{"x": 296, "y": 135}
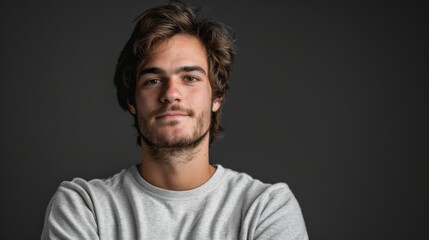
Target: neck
{"x": 177, "y": 169}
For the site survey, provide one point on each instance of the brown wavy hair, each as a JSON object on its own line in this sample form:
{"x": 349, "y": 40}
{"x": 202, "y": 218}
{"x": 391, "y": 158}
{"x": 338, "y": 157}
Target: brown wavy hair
{"x": 161, "y": 23}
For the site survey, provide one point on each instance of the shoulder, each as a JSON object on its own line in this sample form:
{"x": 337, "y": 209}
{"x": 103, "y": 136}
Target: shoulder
{"x": 79, "y": 194}
{"x": 278, "y": 214}
{"x": 80, "y": 186}
{"x": 72, "y": 209}
{"x": 81, "y": 190}
{"x": 261, "y": 191}
{"x": 249, "y": 186}
{"x": 243, "y": 179}
{"x": 272, "y": 211}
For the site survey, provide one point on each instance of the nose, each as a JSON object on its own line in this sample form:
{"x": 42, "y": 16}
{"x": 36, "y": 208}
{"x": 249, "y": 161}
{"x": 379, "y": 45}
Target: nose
{"x": 171, "y": 92}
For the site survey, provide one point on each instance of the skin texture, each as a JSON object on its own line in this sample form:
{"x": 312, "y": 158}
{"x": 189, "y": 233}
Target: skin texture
{"x": 173, "y": 103}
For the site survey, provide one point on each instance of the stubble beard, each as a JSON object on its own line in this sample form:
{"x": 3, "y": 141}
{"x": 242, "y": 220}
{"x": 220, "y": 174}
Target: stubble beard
{"x": 162, "y": 147}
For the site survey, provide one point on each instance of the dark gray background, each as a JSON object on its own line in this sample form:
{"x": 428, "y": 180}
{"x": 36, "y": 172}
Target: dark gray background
{"x": 330, "y": 98}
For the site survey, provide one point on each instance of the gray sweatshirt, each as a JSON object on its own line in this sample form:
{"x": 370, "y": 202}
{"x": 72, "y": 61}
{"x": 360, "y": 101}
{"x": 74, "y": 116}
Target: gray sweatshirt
{"x": 230, "y": 205}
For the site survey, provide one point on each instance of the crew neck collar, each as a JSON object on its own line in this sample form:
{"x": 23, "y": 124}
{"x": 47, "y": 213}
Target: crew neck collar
{"x": 199, "y": 191}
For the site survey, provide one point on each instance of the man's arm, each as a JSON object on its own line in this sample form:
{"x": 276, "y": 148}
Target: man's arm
{"x": 70, "y": 214}
{"x": 280, "y": 215}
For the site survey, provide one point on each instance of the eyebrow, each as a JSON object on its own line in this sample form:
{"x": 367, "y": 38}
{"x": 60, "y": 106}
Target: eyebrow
{"x": 156, "y": 70}
{"x": 191, "y": 69}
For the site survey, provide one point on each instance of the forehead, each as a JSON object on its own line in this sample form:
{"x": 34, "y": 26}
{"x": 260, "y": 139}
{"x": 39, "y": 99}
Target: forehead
{"x": 177, "y": 51}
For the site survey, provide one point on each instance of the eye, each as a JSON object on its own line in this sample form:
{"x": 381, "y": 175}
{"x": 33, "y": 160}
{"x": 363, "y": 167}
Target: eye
{"x": 152, "y": 81}
{"x": 191, "y": 78}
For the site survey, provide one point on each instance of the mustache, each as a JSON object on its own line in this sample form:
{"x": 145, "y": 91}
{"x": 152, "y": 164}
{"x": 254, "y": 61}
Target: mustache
{"x": 175, "y": 107}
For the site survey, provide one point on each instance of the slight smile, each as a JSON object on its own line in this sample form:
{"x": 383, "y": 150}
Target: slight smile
{"x": 172, "y": 115}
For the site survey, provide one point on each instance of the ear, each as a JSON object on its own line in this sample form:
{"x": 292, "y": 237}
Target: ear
{"x": 216, "y": 104}
{"x": 131, "y": 107}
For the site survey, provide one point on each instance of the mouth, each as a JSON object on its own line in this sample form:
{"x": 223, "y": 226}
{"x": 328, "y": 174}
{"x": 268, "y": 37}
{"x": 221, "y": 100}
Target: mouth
{"x": 172, "y": 115}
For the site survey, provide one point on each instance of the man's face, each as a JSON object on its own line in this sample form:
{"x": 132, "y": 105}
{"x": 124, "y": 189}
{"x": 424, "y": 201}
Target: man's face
{"x": 173, "y": 99}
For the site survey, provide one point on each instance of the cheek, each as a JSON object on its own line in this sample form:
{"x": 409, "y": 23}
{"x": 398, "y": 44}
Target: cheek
{"x": 203, "y": 94}
{"x": 145, "y": 99}
{"x": 201, "y": 101}
{"x": 142, "y": 108}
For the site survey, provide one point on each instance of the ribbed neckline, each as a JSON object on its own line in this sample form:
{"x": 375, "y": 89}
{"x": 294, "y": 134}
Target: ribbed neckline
{"x": 199, "y": 191}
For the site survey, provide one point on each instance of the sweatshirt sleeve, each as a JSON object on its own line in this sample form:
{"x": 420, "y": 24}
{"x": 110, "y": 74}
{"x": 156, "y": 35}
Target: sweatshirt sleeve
{"x": 280, "y": 215}
{"x": 70, "y": 213}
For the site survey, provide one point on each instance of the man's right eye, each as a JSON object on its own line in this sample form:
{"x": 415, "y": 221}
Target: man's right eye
{"x": 152, "y": 81}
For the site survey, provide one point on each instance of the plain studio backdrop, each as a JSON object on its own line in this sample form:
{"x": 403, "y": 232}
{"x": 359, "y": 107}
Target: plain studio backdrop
{"x": 330, "y": 98}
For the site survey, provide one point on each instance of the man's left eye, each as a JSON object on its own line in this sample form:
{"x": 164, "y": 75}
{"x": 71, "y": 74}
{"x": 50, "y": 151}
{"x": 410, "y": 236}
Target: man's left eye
{"x": 191, "y": 79}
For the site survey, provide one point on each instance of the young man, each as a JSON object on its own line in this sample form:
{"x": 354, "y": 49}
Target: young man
{"x": 172, "y": 76}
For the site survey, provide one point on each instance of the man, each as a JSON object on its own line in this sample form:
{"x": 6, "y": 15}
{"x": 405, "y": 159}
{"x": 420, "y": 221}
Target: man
{"x": 172, "y": 76}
